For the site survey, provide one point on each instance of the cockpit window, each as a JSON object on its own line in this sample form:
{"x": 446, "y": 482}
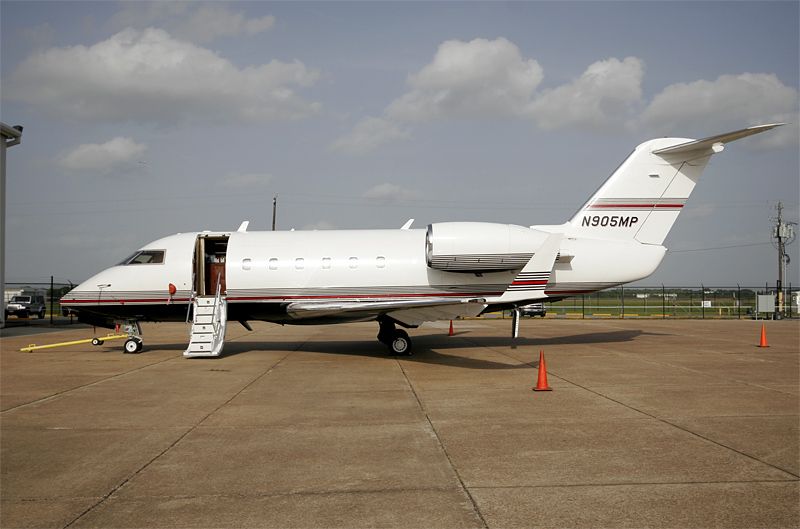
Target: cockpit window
{"x": 145, "y": 257}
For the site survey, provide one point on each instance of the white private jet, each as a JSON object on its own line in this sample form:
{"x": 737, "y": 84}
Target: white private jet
{"x": 402, "y": 277}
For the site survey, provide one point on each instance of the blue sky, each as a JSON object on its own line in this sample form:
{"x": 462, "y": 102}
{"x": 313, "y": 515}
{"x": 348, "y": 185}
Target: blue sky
{"x": 145, "y": 119}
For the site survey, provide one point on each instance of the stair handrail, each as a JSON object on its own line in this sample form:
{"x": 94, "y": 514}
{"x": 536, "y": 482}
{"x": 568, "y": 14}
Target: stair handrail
{"x": 192, "y": 296}
{"x": 217, "y": 297}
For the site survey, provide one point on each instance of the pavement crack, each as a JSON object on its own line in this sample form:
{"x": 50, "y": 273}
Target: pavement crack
{"x": 82, "y": 386}
{"x": 475, "y": 507}
{"x": 661, "y": 419}
{"x": 181, "y": 437}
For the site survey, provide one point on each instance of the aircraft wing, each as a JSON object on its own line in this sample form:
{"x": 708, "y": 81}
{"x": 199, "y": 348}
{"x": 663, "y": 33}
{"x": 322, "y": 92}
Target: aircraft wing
{"x": 411, "y": 312}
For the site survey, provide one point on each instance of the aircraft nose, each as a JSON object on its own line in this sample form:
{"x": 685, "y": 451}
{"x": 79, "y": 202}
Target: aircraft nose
{"x": 89, "y": 289}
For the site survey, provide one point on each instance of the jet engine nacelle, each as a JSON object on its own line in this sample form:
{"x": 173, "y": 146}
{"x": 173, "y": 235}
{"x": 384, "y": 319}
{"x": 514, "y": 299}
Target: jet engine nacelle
{"x": 480, "y": 246}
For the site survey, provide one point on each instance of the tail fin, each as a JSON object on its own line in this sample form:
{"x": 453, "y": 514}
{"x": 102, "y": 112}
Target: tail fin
{"x": 642, "y": 199}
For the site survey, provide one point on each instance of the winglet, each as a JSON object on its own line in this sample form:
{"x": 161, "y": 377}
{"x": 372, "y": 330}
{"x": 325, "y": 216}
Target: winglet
{"x": 243, "y": 226}
{"x": 408, "y": 224}
{"x": 716, "y": 142}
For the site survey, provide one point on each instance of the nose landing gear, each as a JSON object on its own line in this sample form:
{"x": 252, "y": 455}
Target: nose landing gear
{"x": 134, "y": 343}
{"x": 397, "y": 340}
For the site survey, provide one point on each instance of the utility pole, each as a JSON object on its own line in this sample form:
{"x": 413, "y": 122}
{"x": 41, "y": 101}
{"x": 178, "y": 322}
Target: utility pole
{"x": 274, "y": 210}
{"x": 783, "y": 233}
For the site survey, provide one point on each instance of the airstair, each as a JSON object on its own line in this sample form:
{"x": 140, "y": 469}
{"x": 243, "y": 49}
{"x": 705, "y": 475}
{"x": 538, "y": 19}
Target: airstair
{"x": 208, "y": 326}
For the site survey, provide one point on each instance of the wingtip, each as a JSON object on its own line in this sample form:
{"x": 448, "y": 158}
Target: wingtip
{"x": 768, "y": 126}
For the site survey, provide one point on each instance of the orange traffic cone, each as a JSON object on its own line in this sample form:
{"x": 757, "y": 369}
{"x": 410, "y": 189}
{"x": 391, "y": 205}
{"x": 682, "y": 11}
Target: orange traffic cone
{"x": 541, "y": 380}
{"x": 451, "y": 333}
{"x": 763, "y": 336}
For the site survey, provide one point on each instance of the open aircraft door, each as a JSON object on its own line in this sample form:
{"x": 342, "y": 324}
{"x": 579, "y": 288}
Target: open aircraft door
{"x": 210, "y": 255}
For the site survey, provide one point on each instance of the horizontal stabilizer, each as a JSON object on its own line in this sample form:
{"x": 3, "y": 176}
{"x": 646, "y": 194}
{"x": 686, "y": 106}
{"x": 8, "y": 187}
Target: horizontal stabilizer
{"x": 708, "y": 143}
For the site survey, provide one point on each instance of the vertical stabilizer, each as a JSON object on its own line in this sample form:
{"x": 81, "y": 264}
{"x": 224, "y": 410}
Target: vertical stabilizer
{"x": 644, "y": 196}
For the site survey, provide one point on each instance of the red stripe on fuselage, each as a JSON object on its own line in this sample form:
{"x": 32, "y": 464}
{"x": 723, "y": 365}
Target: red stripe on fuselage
{"x": 122, "y": 301}
{"x": 612, "y": 206}
{"x": 271, "y": 298}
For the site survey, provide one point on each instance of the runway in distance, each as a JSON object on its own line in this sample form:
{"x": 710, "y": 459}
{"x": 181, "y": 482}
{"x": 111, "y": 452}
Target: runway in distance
{"x": 402, "y": 277}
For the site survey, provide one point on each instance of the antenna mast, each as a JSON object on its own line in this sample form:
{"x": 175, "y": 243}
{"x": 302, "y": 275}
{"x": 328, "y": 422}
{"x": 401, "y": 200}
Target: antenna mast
{"x": 274, "y": 210}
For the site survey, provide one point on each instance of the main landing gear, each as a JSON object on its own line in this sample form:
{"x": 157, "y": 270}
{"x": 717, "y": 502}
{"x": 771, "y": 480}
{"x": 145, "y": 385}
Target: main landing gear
{"x": 397, "y": 340}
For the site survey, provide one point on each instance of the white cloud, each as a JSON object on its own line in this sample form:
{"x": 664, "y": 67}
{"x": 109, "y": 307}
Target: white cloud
{"x": 150, "y": 76}
{"x": 195, "y": 21}
{"x": 729, "y": 101}
{"x": 209, "y": 22}
{"x": 387, "y": 192}
{"x": 490, "y": 78}
{"x": 319, "y": 225}
{"x": 605, "y": 93}
{"x": 368, "y": 134}
{"x": 116, "y": 153}
{"x": 245, "y": 180}
{"x": 469, "y": 79}
{"x": 143, "y": 14}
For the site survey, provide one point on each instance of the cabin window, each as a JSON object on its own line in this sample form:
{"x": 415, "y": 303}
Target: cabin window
{"x": 353, "y": 262}
{"x": 326, "y": 263}
{"x": 380, "y": 261}
{"x": 145, "y": 257}
{"x": 273, "y": 264}
{"x": 299, "y": 263}
{"x": 246, "y": 264}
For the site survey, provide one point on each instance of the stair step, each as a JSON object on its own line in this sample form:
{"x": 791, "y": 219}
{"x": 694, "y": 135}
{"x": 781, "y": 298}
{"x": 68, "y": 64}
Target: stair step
{"x": 207, "y": 334}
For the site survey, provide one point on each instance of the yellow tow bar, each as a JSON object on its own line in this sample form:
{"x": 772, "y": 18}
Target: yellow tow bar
{"x": 98, "y": 340}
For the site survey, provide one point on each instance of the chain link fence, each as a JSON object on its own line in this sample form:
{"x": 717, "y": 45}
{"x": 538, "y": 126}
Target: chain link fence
{"x": 51, "y": 292}
{"x": 737, "y": 302}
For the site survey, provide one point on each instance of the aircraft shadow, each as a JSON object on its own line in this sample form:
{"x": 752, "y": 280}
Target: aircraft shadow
{"x": 427, "y": 348}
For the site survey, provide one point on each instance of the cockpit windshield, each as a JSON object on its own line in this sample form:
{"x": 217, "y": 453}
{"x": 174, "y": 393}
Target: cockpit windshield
{"x": 144, "y": 257}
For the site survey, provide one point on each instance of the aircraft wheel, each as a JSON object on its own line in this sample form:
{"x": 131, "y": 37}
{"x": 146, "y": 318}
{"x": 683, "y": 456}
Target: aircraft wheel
{"x": 97, "y": 341}
{"x": 133, "y": 346}
{"x": 401, "y": 343}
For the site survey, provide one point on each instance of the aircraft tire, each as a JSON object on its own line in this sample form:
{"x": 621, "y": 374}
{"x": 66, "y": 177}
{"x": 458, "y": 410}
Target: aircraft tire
{"x": 401, "y": 343}
{"x": 132, "y": 346}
